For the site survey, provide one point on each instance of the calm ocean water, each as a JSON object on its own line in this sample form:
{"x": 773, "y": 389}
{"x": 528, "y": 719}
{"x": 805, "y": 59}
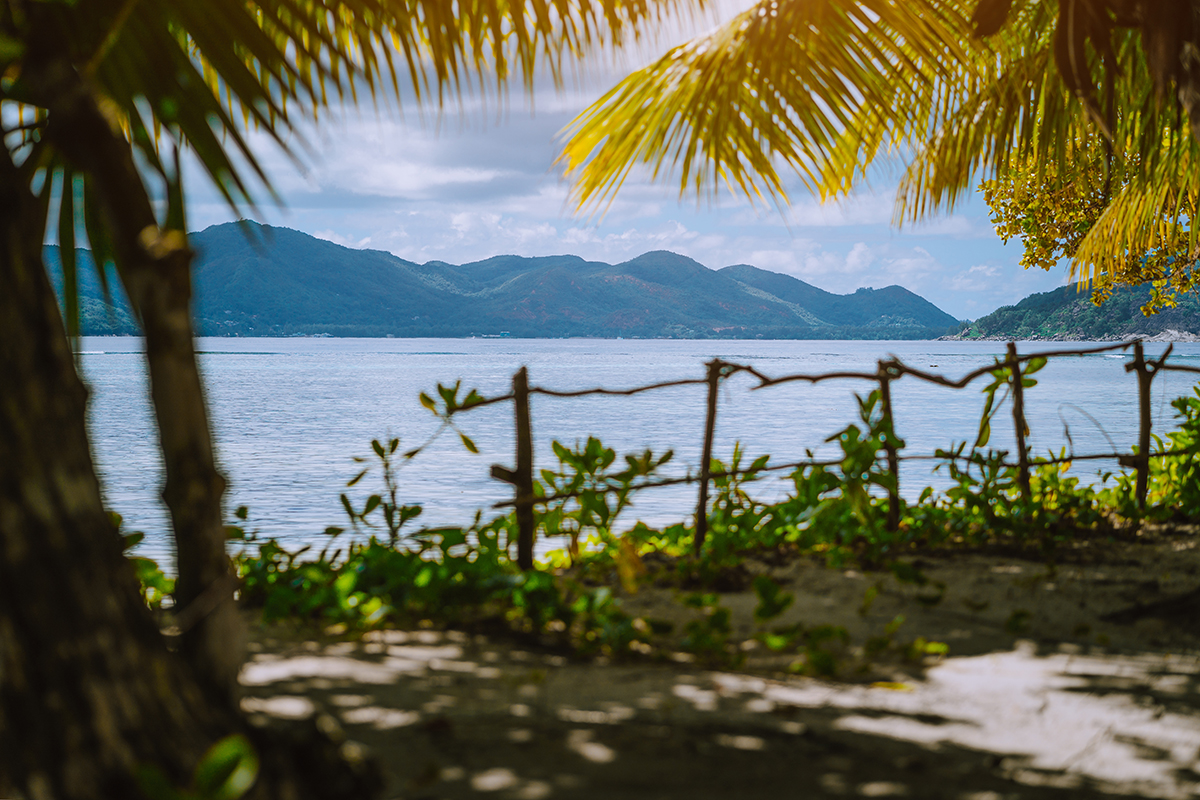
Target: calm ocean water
{"x": 290, "y": 414}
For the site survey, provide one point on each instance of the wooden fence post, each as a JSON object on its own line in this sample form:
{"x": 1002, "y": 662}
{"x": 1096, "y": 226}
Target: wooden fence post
{"x": 889, "y": 445}
{"x": 1022, "y": 429}
{"x": 521, "y": 478}
{"x": 524, "y": 471}
{"x": 713, "y": 379}
{"x": 1144, "y": 378}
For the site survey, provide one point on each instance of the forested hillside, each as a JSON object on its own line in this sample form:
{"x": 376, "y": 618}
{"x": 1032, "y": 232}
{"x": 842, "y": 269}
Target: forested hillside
{"x": 279, "y": 282}
{"x": 1069, "y": 313}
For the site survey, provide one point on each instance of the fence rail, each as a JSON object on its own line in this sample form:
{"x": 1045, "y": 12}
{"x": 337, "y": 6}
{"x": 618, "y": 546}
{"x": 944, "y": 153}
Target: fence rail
{"x": 1013, "y": 370}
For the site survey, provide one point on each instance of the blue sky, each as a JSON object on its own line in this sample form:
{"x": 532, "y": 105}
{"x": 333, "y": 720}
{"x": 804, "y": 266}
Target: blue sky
{"x": 478, "y": 180}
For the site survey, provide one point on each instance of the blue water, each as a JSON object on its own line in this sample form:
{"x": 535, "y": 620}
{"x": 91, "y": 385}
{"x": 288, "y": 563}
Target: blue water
{"x": 290, "y": 415}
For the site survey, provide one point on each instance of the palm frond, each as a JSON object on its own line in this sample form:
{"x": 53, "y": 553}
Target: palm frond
{"x": 814, "y": 88}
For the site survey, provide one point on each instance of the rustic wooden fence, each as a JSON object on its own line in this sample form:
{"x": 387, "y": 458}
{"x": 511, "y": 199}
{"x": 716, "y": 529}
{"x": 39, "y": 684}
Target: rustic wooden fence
{"x": 887, "y": 372}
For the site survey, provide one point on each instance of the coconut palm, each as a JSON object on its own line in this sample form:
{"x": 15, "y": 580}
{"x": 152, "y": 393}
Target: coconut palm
{"x": 817, "y": 91}
{"x": 98, "y": 98}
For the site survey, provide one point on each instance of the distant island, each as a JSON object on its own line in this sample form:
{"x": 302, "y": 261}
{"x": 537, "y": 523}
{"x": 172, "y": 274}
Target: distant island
{"x": 280, "y": 282}
{"x": 1068, "y": 314}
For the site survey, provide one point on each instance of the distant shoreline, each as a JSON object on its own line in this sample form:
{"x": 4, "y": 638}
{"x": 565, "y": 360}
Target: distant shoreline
{"x": 1169, "y": 335}
{"x": 547, "y": 338}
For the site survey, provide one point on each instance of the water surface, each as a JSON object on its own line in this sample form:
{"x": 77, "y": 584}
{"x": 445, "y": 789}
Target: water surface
{"x": 290, "y": 414}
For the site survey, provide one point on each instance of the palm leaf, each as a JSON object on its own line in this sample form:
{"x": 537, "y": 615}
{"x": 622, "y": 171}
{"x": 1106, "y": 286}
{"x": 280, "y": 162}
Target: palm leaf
{"x": 812, "y": 88}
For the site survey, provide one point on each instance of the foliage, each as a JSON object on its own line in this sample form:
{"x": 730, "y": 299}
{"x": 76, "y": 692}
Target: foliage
{"x": 1048, "y": 214}
{"x": 590, "y": 495}
{"x": 837, "y": 510}
{"x": 1174, "y": 485}
{"x": 708, "y": 637}
{"x": 171, "y": 76}
{"x": 772, "y": 601}
{"x": 1052, "y": 208}
{"x": 799, "y": 77}
{"x": 821, "y": 92}
{"x": 226, "y": 772}
{"x": 386, "y": 506}
{"x": 156, "y": 586}
{"x": 1070, "y": 313}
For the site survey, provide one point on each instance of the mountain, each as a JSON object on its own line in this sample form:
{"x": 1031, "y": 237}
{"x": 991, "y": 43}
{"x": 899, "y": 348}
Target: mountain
{"x": 279, "y": 282}
{"x": 1068, "y": 313}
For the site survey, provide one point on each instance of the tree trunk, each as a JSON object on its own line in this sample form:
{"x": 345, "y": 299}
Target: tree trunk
{"x": 89, "y": 693}
{"x": 154, "y": 266}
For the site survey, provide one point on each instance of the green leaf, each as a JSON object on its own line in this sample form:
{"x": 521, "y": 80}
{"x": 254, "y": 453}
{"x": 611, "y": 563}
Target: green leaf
{"x": 357, "y": 477}
{"x": 344, "y": 584}
{"x": 228, "y": 769}
{"x": 428, "y": 402}
{"x": 1035, "y": 364}
{"x": 66, "y": 241}
{"x": 467, "y": 443}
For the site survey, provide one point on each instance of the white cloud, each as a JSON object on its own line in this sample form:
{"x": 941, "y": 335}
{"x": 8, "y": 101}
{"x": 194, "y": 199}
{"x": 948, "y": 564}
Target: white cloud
{"x": 858, "y": 209}
{"x": 981, "y": 277}
{"x": 337, "y": 238}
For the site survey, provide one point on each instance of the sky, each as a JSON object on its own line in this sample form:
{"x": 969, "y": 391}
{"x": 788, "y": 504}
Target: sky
{"x": 478, "y": 179}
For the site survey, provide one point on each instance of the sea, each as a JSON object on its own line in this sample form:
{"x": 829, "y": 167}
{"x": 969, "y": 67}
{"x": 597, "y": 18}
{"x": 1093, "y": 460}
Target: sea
{"x": 291, "y": 415}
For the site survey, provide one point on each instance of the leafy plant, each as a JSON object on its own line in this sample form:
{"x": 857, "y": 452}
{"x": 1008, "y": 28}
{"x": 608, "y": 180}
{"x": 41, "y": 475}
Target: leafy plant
{"x": 590, "y": 496}
{"x": 772, "y": 601}
{"x": 156, "y": 586}
{"x": 823, "y": 647}
{"x": 708, "y": 637}
{"x": 1175, "y": 479}
{"x": 393, "y": 514}
{"x": 838, "y": 510}
{"x": 226, "y": 772}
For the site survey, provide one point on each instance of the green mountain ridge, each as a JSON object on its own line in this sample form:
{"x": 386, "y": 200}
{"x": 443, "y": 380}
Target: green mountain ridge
{"x": 1068, "y": 314}
{"x": 280, "y": 282}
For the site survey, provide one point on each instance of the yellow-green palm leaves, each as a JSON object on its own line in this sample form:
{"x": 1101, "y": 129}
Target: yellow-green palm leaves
{"x": 201, "y": 71}
{"x": 807, "y": 87}
{"x": 815, "y": 91}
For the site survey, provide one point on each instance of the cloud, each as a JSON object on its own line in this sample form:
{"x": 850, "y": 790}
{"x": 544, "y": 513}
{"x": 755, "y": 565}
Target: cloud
{"x": 336, "y": 238}
{"x": 975, "y": 279}
{"x": 858, "y": 209}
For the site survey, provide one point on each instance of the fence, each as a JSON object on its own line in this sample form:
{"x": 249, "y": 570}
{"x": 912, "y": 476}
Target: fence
{"x": 1013, "y": 370}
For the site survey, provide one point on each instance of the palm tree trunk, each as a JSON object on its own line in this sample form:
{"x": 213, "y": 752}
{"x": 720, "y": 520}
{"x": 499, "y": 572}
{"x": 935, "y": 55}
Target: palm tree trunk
{"x": 154, "y": 266}
{"x": 89, "y": 693}
{"x": 78, "y": 713}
